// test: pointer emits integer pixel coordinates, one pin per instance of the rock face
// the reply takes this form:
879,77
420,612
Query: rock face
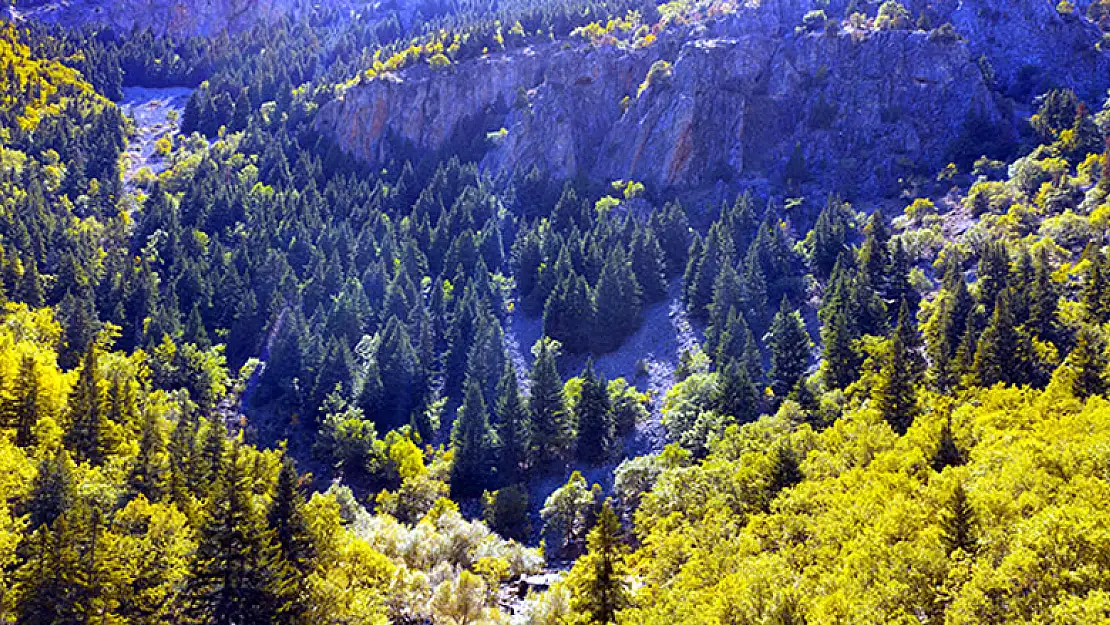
741,99
175,17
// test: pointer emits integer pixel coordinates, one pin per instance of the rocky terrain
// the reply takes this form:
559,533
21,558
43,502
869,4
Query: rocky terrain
174,17
849,110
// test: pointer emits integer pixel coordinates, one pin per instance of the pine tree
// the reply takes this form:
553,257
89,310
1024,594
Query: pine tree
594,416
598,587
88,431
26,398
617,302
473,441
514,427
150,473
570,314
829,237
789,351
648,265
1001,355
947,454
551,427
1089,362
736,395
994,272
231,582
727,297
718,251
900,375
785,470
958,524
295,550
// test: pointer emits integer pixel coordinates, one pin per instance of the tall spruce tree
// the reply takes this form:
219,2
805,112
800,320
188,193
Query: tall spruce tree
473,441
901,373
594,416
514,428
790,345
552,429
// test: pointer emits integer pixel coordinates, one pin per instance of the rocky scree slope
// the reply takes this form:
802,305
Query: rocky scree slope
741,98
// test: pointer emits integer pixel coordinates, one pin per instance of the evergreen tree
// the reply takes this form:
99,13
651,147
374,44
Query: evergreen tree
473,440
947,454
295,549
514,426
1001,355
648,265
785,470
617,302
551,427
150,472
736,395
231,582
789,351
25,412
89,429
901,372
594,416
598,587
570,316
1089,361
958,524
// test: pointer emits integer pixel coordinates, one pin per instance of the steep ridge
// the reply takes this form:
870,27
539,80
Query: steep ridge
741,98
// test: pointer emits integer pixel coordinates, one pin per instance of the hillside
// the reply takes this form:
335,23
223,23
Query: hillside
554,312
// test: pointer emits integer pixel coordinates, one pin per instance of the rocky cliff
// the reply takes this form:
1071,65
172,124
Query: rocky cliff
175,17
741,99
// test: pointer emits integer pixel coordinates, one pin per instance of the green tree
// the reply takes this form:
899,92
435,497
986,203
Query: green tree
594,416
736,395
473,440
232,577
599,590
900,374
958,523
789,350
514,428
552,429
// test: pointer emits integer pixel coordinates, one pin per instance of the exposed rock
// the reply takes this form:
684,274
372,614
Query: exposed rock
862,110
175,17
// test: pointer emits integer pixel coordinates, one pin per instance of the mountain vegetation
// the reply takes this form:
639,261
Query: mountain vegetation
264,380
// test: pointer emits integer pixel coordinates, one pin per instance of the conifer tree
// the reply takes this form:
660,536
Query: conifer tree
473,440
1089,362
648,265
552,430
789,351
1002,352
89,430
617,302
900,375
570,314
737,395
785,470
727,297
598,587
150,472
947,454
594,416
231,581
295,550
514,427
958,524
26,398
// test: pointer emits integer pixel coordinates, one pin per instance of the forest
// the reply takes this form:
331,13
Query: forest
258,380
